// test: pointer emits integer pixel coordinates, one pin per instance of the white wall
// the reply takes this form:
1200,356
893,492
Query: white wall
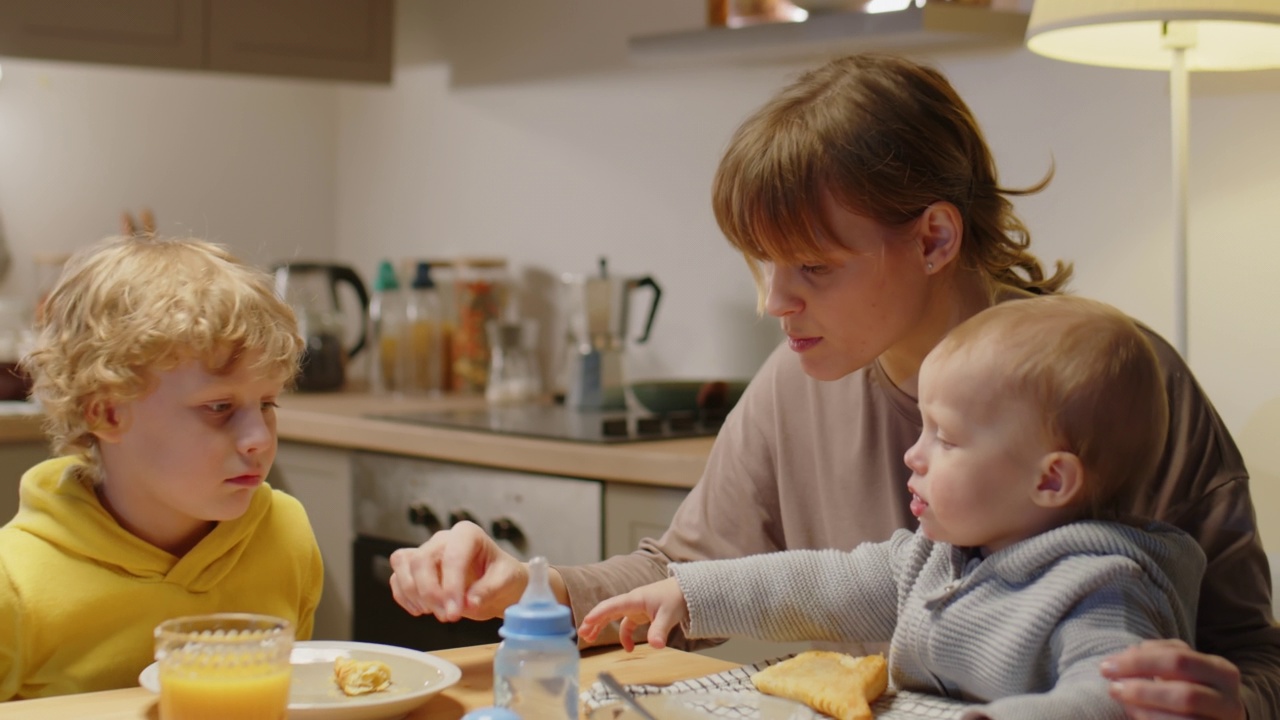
540,142
245,161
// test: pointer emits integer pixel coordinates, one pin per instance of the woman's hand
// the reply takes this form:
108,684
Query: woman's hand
458,573
660,604
1167,680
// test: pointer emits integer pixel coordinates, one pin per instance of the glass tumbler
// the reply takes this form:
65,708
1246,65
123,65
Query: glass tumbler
227,665
514,375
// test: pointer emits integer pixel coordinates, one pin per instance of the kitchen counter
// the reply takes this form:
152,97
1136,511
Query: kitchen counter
340,420
475,690
20,422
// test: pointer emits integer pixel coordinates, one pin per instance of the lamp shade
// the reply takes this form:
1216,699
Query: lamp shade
1217,34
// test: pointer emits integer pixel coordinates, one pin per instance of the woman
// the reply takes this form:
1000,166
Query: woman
866,203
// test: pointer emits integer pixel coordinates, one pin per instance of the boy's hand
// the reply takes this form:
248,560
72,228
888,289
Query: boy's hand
660,604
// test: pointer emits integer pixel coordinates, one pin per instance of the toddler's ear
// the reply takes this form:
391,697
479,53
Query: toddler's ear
106,420
1061,480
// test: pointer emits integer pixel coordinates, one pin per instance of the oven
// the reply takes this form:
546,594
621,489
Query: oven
399,502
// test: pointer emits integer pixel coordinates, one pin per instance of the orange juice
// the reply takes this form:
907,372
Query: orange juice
240,693
224,666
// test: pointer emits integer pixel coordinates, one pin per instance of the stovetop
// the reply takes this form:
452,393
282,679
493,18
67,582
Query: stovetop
561,423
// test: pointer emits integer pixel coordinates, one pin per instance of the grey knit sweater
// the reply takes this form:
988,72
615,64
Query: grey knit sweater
1022,630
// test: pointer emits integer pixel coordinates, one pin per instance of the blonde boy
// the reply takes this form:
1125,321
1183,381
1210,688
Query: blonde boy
158,365
1039,416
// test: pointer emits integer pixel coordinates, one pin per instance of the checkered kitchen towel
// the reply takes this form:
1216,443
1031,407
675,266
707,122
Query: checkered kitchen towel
900,705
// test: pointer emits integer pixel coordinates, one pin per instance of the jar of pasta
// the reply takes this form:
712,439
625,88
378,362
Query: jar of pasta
480,295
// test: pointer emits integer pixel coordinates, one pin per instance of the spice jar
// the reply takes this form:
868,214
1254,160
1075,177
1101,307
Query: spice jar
480,293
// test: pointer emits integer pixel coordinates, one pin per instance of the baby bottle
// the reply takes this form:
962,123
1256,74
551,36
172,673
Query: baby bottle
535,671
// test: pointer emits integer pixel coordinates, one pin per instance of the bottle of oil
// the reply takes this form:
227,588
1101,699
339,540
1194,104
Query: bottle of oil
425,359
535,670
386,332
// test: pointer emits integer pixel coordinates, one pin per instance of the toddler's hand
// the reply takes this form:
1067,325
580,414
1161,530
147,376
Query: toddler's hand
660,604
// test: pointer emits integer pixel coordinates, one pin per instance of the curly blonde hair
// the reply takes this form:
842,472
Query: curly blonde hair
887,137
128,307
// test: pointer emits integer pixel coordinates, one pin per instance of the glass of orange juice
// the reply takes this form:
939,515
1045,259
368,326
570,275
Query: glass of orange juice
226,665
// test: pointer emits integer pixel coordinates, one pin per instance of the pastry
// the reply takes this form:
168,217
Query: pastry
833,683
360,677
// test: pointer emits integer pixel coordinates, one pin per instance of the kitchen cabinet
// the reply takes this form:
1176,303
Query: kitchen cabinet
635,512
329,39
15,459
161,33
320,478
334,39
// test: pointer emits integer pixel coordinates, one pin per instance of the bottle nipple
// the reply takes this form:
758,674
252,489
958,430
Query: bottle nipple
538,590
538,613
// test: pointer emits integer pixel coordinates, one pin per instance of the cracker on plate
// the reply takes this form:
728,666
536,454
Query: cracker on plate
359,677
833,683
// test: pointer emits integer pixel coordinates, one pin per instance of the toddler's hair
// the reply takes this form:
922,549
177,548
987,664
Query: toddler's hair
1093,373
128,307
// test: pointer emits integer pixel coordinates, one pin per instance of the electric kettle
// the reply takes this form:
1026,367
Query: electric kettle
311,289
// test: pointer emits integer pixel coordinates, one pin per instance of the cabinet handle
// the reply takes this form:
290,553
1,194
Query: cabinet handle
506,529
458,516
382,569
421,514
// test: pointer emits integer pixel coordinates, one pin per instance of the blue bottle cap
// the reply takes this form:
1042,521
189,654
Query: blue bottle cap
422,277
537,614
491,713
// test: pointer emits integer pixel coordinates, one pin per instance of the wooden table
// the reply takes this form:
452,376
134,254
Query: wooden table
475,690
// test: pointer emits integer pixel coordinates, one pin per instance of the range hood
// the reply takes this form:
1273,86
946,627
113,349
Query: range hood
928,25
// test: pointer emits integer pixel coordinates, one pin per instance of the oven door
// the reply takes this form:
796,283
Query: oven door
380,619
400,502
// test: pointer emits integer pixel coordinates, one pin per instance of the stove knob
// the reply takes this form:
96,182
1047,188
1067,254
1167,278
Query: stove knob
682,422
505,529
457,516
649,426
420,514
614,427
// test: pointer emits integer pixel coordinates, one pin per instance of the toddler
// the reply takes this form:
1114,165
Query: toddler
1040,418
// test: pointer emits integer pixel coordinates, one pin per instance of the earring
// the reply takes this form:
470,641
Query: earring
928,266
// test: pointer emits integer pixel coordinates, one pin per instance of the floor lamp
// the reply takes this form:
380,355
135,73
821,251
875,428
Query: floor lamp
1174,35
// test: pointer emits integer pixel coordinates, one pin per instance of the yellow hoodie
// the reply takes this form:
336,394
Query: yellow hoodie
80,595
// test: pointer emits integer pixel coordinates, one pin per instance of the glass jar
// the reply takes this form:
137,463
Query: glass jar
514,374
480,293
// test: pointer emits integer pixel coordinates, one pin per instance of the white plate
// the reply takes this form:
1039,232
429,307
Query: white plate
415,676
